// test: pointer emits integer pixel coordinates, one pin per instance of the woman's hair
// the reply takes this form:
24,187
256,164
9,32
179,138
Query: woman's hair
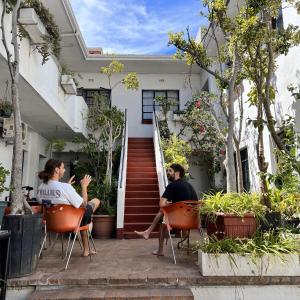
178,168
49,169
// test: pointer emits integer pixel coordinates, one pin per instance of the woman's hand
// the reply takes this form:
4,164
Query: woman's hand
71,180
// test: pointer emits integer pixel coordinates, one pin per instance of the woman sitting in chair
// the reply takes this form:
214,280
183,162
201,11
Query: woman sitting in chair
64,193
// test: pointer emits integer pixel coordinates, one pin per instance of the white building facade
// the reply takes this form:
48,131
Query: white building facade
49,112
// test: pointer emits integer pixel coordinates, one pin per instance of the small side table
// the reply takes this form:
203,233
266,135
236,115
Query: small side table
4,257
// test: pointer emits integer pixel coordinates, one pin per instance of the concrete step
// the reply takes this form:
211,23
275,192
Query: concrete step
140,146
142,175
133,201
141,181
114,293
145,209
142,194
141,169
140,163
145,158
141,139
139,218
142,187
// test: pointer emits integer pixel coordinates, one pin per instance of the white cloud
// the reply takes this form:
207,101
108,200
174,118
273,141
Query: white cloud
132,26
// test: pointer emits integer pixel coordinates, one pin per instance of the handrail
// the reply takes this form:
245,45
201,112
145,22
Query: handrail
123,151
159,156
122,176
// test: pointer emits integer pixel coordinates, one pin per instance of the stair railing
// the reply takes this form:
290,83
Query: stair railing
122,175
159,156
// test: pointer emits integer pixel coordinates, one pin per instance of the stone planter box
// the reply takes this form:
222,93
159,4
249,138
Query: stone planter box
68,84
31,22
238,265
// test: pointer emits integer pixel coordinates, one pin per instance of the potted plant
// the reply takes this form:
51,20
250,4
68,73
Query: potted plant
68,81
5,109
232,214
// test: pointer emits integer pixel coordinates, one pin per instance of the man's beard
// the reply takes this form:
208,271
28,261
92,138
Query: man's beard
170,177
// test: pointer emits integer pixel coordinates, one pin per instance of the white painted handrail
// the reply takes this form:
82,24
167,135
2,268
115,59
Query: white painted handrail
122,176
159,157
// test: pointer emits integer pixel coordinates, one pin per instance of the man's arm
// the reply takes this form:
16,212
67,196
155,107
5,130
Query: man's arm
163,202
85,181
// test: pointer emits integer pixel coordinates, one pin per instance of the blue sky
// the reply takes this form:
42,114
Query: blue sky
135,26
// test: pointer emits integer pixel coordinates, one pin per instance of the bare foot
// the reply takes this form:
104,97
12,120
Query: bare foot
158,253
145,234
85,254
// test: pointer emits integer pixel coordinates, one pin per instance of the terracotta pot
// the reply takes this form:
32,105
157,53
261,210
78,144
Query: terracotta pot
103,226
232,226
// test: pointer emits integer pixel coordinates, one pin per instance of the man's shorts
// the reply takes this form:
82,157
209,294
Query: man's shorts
87,217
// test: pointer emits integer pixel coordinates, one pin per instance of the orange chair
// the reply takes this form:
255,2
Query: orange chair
63,218
181,215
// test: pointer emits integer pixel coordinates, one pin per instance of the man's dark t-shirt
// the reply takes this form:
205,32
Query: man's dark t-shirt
179,190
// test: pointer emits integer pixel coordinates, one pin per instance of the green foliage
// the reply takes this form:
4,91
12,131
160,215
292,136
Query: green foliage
131,81
285,202
52,38
232,203
6,108
199,123
261,244
113,68
176,151
165,104
56,144
3,174
164,129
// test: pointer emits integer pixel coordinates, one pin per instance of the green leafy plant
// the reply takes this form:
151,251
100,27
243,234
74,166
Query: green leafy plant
56,144
3,174
285,202
5,108
232,203
52,38
177,151
261,244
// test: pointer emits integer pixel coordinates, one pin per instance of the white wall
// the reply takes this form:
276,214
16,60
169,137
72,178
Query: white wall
132,100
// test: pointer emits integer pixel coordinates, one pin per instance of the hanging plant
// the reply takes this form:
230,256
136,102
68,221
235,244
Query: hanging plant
5,109
51,43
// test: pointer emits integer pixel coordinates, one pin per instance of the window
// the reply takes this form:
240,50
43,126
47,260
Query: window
89,94
149,105
245,169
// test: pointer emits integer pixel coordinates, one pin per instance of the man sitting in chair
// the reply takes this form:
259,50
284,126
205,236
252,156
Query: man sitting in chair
64,193
177,190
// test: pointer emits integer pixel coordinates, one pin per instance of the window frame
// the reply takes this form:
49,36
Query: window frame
83,93
153,105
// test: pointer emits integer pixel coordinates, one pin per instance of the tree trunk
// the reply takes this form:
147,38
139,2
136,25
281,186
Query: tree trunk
13,60
239,169
230,166
262,164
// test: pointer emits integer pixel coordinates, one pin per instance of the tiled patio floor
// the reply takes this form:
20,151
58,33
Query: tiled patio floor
116,262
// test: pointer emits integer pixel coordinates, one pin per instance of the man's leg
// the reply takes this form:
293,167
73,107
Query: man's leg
94,203
162,234
145,234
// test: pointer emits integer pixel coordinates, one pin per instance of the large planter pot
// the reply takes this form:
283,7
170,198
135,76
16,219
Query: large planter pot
68,84
26,235
231,226
3,204
239,265
103,226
